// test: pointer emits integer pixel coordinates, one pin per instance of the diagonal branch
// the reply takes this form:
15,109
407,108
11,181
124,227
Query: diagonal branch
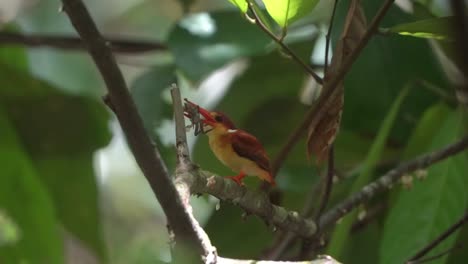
147,158
388,179
75,43
256,203
439,239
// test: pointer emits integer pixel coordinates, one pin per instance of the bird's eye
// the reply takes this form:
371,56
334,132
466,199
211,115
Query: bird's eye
218,118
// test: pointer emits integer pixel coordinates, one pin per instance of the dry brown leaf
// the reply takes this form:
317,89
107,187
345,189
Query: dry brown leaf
325,125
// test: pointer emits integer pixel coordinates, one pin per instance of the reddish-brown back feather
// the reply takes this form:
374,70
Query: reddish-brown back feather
247,146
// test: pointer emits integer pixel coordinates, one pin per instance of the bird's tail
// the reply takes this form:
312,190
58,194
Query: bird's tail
269,178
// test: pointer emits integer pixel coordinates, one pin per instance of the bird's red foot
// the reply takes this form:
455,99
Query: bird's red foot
238,178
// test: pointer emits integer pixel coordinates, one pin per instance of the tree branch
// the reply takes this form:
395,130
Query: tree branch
256,203
327,184
75,43
319,260
280,42
439,239
147,158
183,168
388,179
330,92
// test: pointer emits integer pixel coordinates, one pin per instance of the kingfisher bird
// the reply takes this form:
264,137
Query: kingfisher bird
235,148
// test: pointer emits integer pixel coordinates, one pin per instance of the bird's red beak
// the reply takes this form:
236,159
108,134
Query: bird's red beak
208,119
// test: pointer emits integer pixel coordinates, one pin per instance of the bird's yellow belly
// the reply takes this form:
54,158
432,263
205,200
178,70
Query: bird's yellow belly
224,152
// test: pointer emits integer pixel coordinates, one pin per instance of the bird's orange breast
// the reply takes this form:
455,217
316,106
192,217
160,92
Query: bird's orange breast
222,148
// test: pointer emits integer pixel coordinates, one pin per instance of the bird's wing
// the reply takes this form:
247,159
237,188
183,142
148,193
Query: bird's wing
247,146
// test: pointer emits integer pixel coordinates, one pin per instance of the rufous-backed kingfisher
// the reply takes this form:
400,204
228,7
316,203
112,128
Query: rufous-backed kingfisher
235,148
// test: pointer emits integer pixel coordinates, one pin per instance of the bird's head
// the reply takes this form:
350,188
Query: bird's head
218,122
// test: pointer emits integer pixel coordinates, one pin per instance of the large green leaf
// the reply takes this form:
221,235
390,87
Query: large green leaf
25,200
363,245
147,93
434,28
425,130
70,71
431,206
60,133
284,12
204,42
9,231
386,65
341,233
241,4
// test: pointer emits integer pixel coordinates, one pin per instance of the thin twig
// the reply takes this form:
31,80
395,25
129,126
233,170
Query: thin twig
330,92
280,42
281,245
184,166
75,43
387,180
327,184
421,253
253,202
441,254
257,203
328,37
286,240
143,150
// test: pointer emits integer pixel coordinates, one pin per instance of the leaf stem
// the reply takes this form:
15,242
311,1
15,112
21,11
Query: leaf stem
279,41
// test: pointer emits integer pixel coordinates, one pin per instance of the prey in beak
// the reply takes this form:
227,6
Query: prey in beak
201,119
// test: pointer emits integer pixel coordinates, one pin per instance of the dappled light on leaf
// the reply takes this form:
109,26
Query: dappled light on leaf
241,4
433,28
284,12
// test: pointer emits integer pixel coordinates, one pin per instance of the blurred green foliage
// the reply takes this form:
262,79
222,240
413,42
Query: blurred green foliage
52,122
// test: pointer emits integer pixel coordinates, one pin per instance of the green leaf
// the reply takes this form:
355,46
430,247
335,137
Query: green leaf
50,121
284,12
422,213
60,133
241,4
201,43
361,241
435,28
25,200
341,233
425,130
237,245
71,182
14,55
147,93
9,230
